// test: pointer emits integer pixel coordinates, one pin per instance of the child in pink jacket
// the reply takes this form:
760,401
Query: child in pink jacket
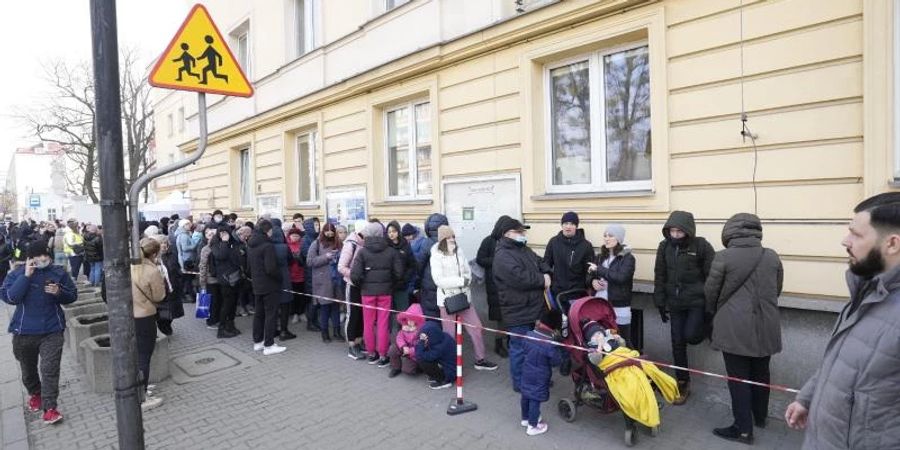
403,350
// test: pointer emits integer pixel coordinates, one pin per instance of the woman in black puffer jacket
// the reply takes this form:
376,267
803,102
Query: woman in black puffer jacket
376,270
612,277
227,267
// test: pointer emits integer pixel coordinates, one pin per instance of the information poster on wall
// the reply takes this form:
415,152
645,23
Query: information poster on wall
269,204
346,205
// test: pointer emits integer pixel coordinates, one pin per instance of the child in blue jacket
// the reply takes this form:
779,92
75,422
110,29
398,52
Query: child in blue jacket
540,358
436,355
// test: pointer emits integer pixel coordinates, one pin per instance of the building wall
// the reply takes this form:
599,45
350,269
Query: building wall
803,92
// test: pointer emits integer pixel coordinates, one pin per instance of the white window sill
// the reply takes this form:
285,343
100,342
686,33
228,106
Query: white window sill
305,206
550,196
405,201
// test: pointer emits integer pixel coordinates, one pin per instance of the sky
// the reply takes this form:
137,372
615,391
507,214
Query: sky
34,32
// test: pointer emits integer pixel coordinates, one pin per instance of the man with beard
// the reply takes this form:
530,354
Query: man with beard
853,400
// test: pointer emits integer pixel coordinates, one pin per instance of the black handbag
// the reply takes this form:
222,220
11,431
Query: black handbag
457,303
232,279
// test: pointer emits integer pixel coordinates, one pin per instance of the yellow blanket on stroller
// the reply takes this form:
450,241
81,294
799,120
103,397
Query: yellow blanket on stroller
630,385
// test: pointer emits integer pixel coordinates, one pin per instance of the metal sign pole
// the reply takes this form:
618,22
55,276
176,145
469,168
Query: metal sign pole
108,125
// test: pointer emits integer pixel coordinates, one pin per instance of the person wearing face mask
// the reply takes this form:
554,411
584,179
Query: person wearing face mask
208,280
521,278
683,261
311,229
267,278
452,275
400,296
226,254
218,218
612,277
37,289
148,289
326,282
568,254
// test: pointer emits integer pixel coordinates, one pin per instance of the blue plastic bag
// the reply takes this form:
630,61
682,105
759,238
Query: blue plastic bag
203,300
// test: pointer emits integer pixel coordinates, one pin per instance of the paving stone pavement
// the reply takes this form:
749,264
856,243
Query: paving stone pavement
313,396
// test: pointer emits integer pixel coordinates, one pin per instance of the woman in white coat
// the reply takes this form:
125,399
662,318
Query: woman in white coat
451,274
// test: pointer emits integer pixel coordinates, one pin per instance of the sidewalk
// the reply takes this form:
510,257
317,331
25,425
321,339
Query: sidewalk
313,396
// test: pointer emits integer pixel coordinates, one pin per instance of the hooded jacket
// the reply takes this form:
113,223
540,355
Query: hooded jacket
619,277
186,247
519,274
409,339
407,259
377,268
422,246
93,247
485,259
853,399
681,270
349,251
227,258
440,349
309,236
37,312
264,267
537,368
283,258
569,258
148,288
746,321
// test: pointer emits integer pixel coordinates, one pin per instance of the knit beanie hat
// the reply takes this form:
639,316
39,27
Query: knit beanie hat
372,230
617,231
408,230
569,217
444,232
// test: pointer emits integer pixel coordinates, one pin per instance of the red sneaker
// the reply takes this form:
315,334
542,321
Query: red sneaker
52,416
34,402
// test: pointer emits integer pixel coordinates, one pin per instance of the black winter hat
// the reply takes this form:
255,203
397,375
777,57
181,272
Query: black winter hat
569,217
505,224
408,230
37,248
552,318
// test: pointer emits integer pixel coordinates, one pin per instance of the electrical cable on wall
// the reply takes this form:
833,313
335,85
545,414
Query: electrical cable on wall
745,129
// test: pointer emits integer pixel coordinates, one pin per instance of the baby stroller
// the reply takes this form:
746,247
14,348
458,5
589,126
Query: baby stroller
590,385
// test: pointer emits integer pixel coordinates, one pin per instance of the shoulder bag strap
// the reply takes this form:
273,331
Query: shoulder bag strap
723,298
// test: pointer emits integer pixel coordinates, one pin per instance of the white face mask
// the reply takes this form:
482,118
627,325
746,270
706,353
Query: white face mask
41,264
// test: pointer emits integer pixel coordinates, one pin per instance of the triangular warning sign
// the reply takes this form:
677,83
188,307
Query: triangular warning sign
198,59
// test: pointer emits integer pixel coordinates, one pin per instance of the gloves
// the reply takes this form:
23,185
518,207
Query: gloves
663,314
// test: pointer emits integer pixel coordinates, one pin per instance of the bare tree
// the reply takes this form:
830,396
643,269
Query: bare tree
67,117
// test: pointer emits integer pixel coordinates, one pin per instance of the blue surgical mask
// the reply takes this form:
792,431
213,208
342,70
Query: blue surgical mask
521,239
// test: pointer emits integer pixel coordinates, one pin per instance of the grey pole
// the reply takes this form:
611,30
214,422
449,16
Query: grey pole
129,421
143,180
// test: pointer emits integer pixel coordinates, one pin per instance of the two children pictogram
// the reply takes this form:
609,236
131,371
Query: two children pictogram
213,62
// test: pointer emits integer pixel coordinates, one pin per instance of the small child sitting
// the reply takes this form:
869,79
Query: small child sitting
540,358
436,356
403,350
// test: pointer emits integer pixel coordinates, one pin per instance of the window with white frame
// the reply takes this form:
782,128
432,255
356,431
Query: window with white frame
391,4
304,26
408,148
305,161
181,119
598,122
246,188
171,125
51,213
241,38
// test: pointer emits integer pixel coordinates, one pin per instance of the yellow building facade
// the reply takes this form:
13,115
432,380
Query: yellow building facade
620,110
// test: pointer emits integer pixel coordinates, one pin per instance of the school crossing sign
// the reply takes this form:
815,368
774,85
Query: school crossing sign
198,59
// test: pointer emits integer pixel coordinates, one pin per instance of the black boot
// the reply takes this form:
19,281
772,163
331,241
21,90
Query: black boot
500,349
233,328
338,333
225,333
325,337
286,335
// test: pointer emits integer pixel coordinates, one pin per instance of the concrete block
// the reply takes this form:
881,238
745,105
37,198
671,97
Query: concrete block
82,327
88,292
83,309
98,362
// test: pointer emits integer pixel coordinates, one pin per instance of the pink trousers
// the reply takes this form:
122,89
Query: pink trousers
377,339
469,316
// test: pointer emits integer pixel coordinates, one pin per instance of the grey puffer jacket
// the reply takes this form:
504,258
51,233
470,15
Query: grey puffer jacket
854,398
319,259
747,321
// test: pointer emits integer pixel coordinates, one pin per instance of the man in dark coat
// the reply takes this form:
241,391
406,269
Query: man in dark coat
521,277
683,260
267,277
485,259
742,292
568,254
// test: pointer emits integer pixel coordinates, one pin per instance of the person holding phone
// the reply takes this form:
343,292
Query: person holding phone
37,289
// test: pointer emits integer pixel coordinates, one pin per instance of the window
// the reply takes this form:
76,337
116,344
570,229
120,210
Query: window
246,190
241,44
306,168
304,22
51,214
408,132
598,122
181,119
391,4
171,125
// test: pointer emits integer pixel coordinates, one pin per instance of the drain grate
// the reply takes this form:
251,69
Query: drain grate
207,362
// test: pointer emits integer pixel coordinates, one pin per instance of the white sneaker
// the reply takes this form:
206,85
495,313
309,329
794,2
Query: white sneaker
273,350
150,403
295,319
525,422
258,347
541,428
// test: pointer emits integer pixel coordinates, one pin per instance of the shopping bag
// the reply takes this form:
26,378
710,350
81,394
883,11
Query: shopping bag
203,301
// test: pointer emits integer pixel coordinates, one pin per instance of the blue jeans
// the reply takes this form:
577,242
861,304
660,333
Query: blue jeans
332,311
76,262
531,411
517,353
96,273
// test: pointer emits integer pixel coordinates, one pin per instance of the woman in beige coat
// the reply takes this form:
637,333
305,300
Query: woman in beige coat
148,288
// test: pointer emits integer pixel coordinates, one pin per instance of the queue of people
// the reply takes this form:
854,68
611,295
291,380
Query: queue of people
278,273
